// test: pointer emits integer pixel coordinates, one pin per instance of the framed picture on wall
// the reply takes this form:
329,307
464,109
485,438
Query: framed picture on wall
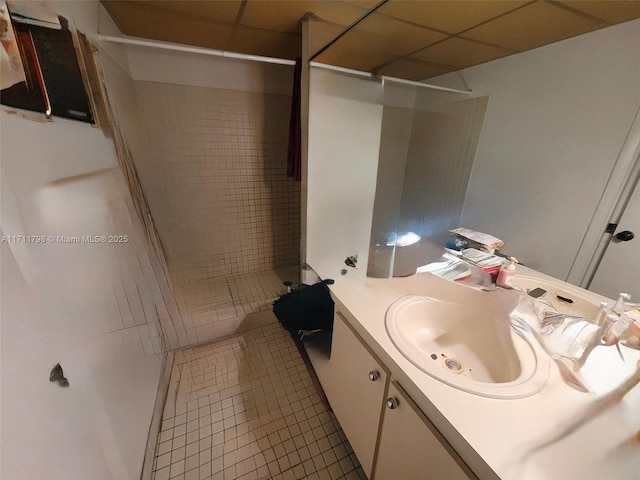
49,78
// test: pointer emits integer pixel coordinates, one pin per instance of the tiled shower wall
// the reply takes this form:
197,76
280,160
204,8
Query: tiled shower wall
228,217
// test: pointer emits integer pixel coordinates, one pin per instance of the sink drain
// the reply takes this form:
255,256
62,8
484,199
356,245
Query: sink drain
453,365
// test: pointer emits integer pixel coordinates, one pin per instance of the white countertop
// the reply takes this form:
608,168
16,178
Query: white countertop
553,434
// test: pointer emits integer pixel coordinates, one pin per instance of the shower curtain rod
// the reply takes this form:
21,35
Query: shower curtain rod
257,58
384,78
188,49
349,71
425,85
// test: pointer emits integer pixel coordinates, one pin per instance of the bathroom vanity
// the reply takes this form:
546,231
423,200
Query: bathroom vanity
405,424
380,419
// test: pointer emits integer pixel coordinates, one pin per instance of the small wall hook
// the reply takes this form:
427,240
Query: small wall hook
57,375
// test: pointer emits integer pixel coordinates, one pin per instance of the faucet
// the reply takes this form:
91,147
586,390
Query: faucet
623,299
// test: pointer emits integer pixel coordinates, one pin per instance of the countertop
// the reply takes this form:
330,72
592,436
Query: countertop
557,433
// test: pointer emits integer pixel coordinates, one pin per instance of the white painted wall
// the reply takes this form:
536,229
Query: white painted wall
58,303
556,121
345,122
198,70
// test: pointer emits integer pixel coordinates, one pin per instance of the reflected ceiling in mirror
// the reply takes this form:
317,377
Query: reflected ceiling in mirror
417,40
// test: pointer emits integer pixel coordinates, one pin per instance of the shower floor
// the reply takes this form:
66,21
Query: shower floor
249,408
215,307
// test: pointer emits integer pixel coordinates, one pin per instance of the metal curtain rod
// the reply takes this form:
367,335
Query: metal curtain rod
384,78
257,58
186,48
425,85
335,68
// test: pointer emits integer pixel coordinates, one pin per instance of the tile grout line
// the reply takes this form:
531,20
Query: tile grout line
264,391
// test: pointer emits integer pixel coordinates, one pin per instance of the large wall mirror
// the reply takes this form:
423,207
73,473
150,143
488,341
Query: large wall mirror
427,148
417,40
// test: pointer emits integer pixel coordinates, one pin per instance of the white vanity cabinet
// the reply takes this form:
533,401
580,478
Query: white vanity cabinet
355,384
411,448
390,436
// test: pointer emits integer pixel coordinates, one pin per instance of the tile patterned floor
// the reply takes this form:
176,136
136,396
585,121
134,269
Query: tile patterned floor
249,408
214,307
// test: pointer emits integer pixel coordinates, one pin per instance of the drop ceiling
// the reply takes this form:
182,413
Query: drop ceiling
409,39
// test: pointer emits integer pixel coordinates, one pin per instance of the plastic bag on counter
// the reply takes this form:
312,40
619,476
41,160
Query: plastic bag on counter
560,334
305,310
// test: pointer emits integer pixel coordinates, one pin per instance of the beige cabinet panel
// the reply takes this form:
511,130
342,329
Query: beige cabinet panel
410,446
355,384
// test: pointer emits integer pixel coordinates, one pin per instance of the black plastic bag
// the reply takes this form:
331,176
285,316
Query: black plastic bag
307,309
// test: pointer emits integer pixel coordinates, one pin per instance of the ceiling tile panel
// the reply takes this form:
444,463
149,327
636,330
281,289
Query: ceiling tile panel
268,43
321,34
377,40
532,26
412,69
285,16
354,55
448,16
385,34
366,4
141,20
611,11
224,11
460,53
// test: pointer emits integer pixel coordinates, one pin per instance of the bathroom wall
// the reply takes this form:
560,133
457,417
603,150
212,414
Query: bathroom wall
214,172
345,122
199,70
223,203
93,307
556,121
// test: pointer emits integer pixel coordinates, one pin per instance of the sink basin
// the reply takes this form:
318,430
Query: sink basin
563,297
469,346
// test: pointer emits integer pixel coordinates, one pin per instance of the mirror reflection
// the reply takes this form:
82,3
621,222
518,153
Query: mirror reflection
420,40
427,147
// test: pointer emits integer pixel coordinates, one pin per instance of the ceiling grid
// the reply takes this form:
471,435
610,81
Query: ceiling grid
410,39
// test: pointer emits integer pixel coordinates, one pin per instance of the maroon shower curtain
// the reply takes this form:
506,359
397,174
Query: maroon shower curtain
294,152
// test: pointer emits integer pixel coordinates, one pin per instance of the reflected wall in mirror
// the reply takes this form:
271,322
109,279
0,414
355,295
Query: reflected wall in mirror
427,148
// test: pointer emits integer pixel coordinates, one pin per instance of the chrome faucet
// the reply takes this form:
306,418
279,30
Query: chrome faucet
623,299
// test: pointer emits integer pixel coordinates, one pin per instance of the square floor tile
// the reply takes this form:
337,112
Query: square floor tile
248,407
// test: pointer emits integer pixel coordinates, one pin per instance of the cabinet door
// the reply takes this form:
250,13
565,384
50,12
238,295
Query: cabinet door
410,446
355,386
